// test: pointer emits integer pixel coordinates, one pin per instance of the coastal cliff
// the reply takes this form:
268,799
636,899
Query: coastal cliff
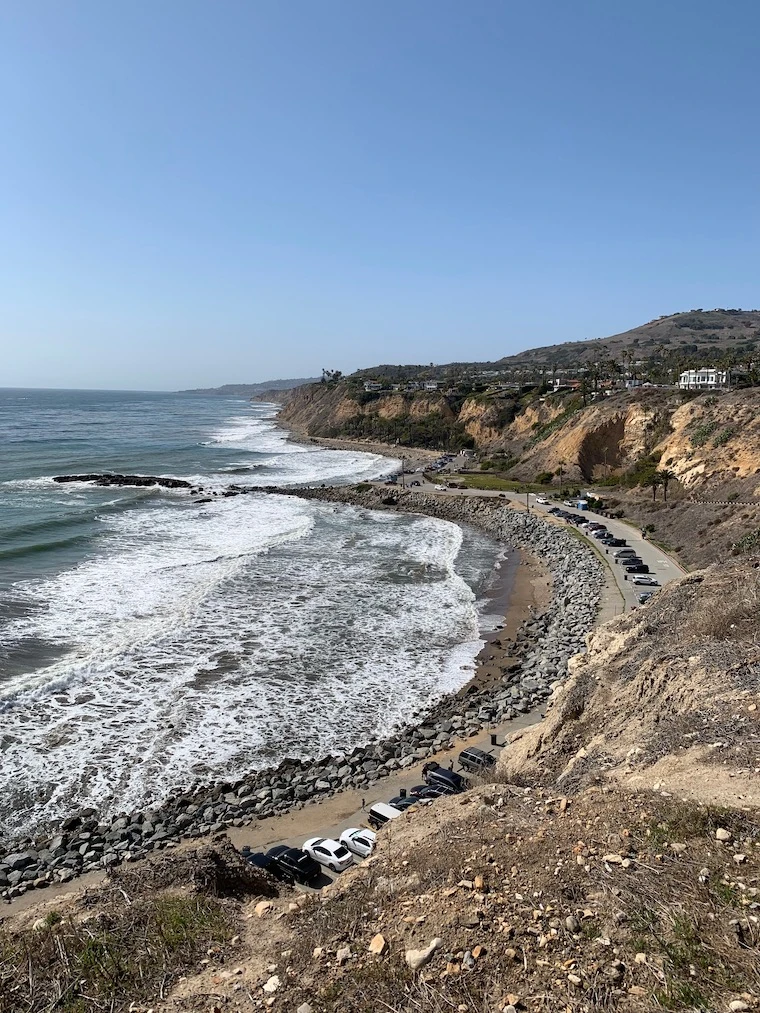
706,440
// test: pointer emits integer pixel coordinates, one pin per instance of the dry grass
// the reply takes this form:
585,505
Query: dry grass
129,952
526,846
130,940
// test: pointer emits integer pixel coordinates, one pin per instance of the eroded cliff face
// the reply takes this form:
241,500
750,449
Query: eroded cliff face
707,442
322,409
597,440
667,696
710,440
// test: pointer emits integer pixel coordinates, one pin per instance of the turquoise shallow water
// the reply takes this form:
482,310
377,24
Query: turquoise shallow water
146,640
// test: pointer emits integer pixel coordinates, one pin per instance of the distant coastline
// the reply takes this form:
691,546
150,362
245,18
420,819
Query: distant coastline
251,389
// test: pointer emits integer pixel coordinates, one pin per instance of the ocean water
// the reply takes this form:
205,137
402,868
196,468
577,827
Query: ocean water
147,641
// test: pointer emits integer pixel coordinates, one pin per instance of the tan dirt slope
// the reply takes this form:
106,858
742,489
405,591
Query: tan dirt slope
667,697
707,442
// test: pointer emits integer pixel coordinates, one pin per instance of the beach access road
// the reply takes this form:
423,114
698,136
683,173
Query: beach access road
662,566
328,818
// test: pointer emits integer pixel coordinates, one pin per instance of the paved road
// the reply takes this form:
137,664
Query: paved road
332,816
661,565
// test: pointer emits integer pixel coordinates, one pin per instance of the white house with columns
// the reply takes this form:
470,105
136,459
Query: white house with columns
708,378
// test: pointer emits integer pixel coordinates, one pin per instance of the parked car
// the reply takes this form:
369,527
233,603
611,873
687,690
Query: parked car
426,791
259,859
415,482
646,581
332,854
404,802
645,596
476,760
294,866
379,814
616,542
554,510
359,842
620,554
637,568
542,500
435,775
569,502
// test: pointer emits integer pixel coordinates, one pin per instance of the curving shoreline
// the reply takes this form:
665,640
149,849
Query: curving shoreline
541,649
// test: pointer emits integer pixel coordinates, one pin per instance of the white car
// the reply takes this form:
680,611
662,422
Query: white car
646,581
329,853
360,842
542,500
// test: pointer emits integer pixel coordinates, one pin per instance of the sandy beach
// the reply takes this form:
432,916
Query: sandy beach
413,457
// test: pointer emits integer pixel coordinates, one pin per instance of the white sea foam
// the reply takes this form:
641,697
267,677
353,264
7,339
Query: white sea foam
198,640
230,640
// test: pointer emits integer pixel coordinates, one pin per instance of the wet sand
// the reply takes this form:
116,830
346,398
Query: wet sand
412,457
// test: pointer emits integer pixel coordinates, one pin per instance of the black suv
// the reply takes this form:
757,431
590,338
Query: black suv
403,802
476,760
438,777
292,865
637,568
425,791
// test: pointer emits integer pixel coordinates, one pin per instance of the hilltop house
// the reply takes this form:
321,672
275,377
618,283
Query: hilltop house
372,385
708,378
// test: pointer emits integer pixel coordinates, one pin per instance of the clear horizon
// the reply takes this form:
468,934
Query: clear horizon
195,197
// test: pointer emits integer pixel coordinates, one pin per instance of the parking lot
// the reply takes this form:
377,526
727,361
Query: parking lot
332,816
662,567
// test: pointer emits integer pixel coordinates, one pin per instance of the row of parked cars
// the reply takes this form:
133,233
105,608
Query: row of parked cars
305,864
636,570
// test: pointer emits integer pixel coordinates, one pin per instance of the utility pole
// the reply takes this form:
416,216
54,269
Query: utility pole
527,501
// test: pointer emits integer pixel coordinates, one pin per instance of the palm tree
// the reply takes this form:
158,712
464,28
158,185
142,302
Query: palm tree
655,482
666,476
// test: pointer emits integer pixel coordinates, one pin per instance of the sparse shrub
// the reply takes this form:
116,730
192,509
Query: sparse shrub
702,433
748,543
724,436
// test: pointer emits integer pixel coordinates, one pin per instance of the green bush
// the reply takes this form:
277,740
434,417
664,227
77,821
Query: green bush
432,430
724,436
749,543
702,433
544,478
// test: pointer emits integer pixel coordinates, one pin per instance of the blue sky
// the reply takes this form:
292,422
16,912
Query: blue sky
194,193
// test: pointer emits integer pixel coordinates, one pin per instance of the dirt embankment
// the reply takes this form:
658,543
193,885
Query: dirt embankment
667,697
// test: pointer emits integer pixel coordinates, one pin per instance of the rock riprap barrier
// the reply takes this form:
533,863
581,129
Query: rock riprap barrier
140,481
542,646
